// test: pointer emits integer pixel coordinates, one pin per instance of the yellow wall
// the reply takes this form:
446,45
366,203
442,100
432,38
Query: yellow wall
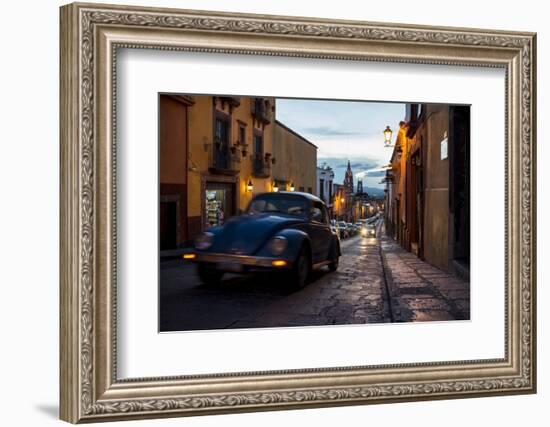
260,185
172,153
296,159
201,132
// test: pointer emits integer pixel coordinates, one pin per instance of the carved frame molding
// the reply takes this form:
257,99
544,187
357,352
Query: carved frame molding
90,37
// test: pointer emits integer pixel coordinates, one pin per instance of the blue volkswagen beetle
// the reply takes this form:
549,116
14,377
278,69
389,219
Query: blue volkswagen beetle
284,231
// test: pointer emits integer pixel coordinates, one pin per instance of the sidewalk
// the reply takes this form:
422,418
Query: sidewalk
419,291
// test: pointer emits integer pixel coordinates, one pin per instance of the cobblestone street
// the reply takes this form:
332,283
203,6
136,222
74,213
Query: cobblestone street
421,292
377,281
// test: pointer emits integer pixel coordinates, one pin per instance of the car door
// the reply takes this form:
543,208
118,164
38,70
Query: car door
320,234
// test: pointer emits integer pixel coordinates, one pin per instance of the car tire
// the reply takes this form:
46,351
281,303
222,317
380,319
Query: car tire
209,276
335,257
301,269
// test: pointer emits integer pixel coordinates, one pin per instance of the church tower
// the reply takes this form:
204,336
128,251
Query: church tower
348,179
359,186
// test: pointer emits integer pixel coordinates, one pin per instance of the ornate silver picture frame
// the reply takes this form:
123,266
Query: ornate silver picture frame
91,35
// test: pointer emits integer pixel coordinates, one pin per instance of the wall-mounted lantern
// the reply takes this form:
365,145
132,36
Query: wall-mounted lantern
275,187
387,136
292,188
249,186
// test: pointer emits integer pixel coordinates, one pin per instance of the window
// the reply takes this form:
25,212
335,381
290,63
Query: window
242,135
221,141
287,204
258,153
325,215
259,144
222,130
322,189
319,213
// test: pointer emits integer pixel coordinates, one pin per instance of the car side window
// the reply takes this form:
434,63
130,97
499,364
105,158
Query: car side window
319,213
325,215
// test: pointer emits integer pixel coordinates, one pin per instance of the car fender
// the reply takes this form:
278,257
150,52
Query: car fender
295,239
336,241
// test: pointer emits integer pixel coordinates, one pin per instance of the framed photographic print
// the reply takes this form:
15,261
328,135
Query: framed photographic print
266,212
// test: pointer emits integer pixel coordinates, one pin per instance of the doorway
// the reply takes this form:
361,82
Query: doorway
219,203
168,225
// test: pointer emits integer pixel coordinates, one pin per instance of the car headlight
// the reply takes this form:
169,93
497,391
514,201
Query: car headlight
278,245
204,241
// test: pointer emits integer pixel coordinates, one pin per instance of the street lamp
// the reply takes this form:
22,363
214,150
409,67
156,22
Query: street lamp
249,186
292,188
387,136
275,187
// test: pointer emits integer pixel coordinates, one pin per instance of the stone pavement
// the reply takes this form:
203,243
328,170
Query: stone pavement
377,282
354,294
420,292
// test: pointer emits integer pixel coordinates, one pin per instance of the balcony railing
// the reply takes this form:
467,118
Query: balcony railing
224,159
261,166
260,111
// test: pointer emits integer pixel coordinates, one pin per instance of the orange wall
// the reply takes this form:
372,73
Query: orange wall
173,153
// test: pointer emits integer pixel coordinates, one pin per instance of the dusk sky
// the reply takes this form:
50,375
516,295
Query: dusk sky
345,130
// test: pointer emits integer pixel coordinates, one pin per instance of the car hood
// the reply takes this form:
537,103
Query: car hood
246,234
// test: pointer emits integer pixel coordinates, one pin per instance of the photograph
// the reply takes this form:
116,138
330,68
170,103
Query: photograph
264,210
283,212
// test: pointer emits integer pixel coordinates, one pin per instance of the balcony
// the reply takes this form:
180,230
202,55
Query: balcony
223,159
261,166
232,101
261,110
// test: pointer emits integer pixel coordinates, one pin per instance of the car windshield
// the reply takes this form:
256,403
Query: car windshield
278,203
342,224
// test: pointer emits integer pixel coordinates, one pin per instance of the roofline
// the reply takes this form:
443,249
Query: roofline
295,133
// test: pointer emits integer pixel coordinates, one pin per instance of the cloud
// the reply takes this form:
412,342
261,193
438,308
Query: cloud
329,131
362,167
373,173
376,172
356,165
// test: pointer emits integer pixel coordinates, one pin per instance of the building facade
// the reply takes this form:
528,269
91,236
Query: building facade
428,186
295,161
215,153
324,189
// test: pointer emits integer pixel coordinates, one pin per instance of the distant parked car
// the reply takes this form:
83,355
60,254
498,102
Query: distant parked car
343,230
334,227
351,228
285,231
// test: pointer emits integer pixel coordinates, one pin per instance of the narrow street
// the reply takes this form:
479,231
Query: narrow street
377,281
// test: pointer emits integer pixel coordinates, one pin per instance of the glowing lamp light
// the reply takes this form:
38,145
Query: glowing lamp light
275,187
278,263
249,186
387,136
292,188
189,256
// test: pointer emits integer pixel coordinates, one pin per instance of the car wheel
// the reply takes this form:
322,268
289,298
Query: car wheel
301,269
209,276
335,258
